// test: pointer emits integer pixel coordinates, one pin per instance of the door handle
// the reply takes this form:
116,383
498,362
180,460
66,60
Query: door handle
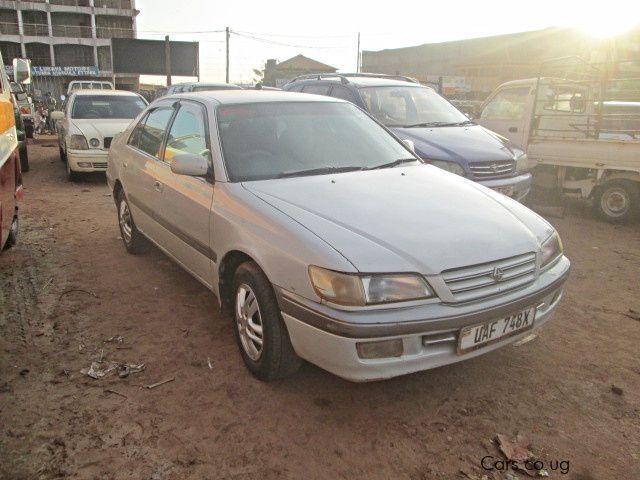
513,129
158,186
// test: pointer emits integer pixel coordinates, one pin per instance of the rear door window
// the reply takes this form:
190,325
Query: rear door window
338,91
316,89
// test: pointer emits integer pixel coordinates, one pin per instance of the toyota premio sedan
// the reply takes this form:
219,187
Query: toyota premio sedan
327,238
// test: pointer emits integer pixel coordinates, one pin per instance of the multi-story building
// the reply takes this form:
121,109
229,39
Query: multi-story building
66,39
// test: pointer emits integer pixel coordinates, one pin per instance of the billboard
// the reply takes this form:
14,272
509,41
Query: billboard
147,57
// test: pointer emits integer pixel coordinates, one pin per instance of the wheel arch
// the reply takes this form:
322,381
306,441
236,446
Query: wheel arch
226,269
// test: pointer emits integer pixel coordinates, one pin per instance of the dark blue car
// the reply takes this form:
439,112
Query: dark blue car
440,133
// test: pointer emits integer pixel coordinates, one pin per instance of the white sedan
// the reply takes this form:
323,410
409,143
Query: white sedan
89,121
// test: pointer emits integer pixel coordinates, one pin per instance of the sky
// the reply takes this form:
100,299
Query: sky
327,31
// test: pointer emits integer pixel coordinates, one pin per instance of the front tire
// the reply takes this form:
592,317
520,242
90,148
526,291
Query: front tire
133,240
617,201
261,334
71,175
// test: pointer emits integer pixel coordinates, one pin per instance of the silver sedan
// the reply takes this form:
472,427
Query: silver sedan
327,239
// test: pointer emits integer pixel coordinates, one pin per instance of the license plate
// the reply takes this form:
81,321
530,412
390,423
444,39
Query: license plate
508,191
477,336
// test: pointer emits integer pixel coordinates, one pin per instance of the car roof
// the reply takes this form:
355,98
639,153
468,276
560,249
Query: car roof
233,97
358,82
96,91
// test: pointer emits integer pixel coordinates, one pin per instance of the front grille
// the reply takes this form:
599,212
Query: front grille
99,164
107,142
479,281
499,168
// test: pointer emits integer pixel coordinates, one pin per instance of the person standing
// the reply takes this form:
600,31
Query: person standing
50,103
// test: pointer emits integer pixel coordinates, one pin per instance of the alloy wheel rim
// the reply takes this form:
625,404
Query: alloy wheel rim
125,221
249,322
615,202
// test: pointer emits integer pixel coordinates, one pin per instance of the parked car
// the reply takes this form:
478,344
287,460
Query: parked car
196,87
442,135
588,149
25,108
22,140
11,191
327,238
89,85
87,125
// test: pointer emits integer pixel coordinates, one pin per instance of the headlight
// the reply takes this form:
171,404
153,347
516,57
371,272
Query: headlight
360,290
551,250
522,163
78,142
449,167
94,142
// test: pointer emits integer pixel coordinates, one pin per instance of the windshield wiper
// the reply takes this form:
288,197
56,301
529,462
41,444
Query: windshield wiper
439,124
318,171
393,164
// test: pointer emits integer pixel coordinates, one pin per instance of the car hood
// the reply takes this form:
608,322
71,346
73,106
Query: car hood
101,128
416,218
459,144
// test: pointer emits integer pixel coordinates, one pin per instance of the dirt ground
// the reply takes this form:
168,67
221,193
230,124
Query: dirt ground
69,287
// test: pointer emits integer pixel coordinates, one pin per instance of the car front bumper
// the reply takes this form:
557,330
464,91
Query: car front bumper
87,160
514,187
327,337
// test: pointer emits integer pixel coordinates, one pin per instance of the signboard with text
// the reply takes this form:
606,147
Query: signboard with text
90,71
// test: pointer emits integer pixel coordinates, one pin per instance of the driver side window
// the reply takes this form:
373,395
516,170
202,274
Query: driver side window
188,133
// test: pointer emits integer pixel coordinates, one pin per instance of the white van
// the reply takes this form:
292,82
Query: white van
89,85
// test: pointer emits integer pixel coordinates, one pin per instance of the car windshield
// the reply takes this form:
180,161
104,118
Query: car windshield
283,139
107,106
410,106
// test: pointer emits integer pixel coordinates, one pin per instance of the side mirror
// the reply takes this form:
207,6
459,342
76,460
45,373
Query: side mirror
410,144
57,115
21,70
190,164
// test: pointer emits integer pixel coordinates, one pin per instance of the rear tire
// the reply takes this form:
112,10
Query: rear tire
12,239
133,240
261,333
24,159
617,201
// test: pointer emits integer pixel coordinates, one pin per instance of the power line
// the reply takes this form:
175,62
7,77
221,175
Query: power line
284,44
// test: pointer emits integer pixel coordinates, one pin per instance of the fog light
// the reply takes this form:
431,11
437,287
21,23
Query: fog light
84,164
383,349
94,142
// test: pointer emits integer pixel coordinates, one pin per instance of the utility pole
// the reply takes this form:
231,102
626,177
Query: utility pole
358,61
227,36
167,59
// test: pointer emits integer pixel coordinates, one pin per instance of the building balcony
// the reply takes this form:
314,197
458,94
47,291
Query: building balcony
9,29
114,32
116,4
35,29
71,3
72,31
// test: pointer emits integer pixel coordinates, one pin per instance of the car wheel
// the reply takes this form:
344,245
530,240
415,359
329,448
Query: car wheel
12,238
28,131
24,158
259,329
133,240
71,175
617,201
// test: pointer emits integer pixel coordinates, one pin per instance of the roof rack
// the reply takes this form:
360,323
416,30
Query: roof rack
344,77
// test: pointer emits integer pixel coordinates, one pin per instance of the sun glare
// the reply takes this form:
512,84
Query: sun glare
607,27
